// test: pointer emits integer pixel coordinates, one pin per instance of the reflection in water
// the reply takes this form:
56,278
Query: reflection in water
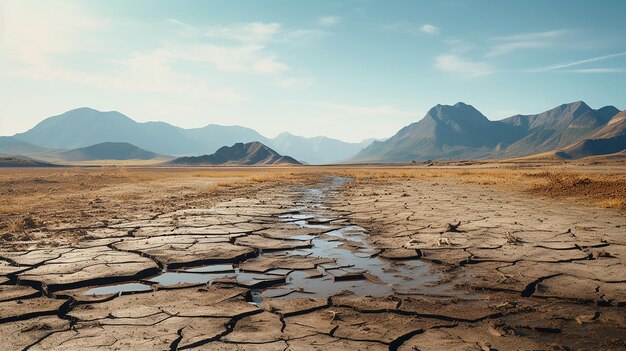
355,268
118,288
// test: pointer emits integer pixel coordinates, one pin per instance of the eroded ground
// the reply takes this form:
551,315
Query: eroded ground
314,261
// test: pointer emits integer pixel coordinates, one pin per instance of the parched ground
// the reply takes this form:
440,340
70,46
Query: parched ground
310,259
559,267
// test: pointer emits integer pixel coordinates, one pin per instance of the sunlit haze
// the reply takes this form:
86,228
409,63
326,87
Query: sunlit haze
344,69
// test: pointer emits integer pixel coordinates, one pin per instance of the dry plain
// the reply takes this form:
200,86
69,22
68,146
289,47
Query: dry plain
456,256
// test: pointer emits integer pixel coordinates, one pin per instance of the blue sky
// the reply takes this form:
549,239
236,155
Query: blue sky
345,69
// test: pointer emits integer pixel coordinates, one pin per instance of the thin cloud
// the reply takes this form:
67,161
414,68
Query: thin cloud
412,28
537,40
457,65
429,29
597,70
140,72
252,32
33,37
328,21
295,83
242,59
560,66
240,47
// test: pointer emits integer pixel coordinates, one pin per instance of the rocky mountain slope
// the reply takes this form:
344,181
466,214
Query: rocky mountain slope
254,153
109,151
462,132
85,127
609,139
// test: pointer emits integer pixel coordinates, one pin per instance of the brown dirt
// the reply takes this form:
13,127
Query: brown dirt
510,258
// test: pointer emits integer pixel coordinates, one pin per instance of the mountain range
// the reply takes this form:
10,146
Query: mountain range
84,127
7,161
317,150
462,132
12,147
459,131
254,153
109,151
610,139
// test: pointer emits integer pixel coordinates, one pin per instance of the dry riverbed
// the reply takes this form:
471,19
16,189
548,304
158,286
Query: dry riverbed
304,259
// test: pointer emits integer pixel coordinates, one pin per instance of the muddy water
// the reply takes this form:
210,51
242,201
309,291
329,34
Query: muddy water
355,265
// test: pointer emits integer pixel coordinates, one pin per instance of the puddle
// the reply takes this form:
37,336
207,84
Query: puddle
356,266
216,268
291,217
174,278
352,233
354,270
302,237
119,288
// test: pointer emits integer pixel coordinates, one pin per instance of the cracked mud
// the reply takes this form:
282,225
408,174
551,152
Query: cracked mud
334,264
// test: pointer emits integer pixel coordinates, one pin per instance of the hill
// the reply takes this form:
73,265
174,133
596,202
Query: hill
462,132
13,147
253,153
84,127
446,132
556,128
7,161
610,139
316,150
109,151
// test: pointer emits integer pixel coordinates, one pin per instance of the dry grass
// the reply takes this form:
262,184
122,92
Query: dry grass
77,195
593,187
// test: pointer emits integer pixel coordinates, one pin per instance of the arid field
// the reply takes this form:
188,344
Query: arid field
525,255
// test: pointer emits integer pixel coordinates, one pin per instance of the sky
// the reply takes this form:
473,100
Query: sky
351,69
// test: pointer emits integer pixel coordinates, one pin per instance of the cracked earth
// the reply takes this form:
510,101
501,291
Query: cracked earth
330,264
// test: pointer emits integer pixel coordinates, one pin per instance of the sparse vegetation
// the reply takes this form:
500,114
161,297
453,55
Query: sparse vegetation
66,192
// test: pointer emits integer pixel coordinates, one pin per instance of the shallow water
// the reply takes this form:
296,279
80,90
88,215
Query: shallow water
386,277
117,288
355,265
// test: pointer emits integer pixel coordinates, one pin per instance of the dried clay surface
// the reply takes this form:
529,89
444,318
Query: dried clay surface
331,263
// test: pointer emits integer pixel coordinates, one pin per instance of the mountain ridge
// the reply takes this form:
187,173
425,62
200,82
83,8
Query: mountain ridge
317,149
458,131
461,132
83,127
608,140
252,153
109,151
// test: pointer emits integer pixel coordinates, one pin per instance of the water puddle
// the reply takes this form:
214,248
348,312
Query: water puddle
353,269
216,268
118,288
175,278
355,265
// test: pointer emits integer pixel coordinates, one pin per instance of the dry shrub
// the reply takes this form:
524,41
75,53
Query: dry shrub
20,224
619,204
566,180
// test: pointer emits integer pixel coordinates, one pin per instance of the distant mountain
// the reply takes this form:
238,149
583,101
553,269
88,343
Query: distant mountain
6,161
462,132
254,153
608,140
446,132
454,132
556,128
13,147
85,127
367,142
109,151
316,150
